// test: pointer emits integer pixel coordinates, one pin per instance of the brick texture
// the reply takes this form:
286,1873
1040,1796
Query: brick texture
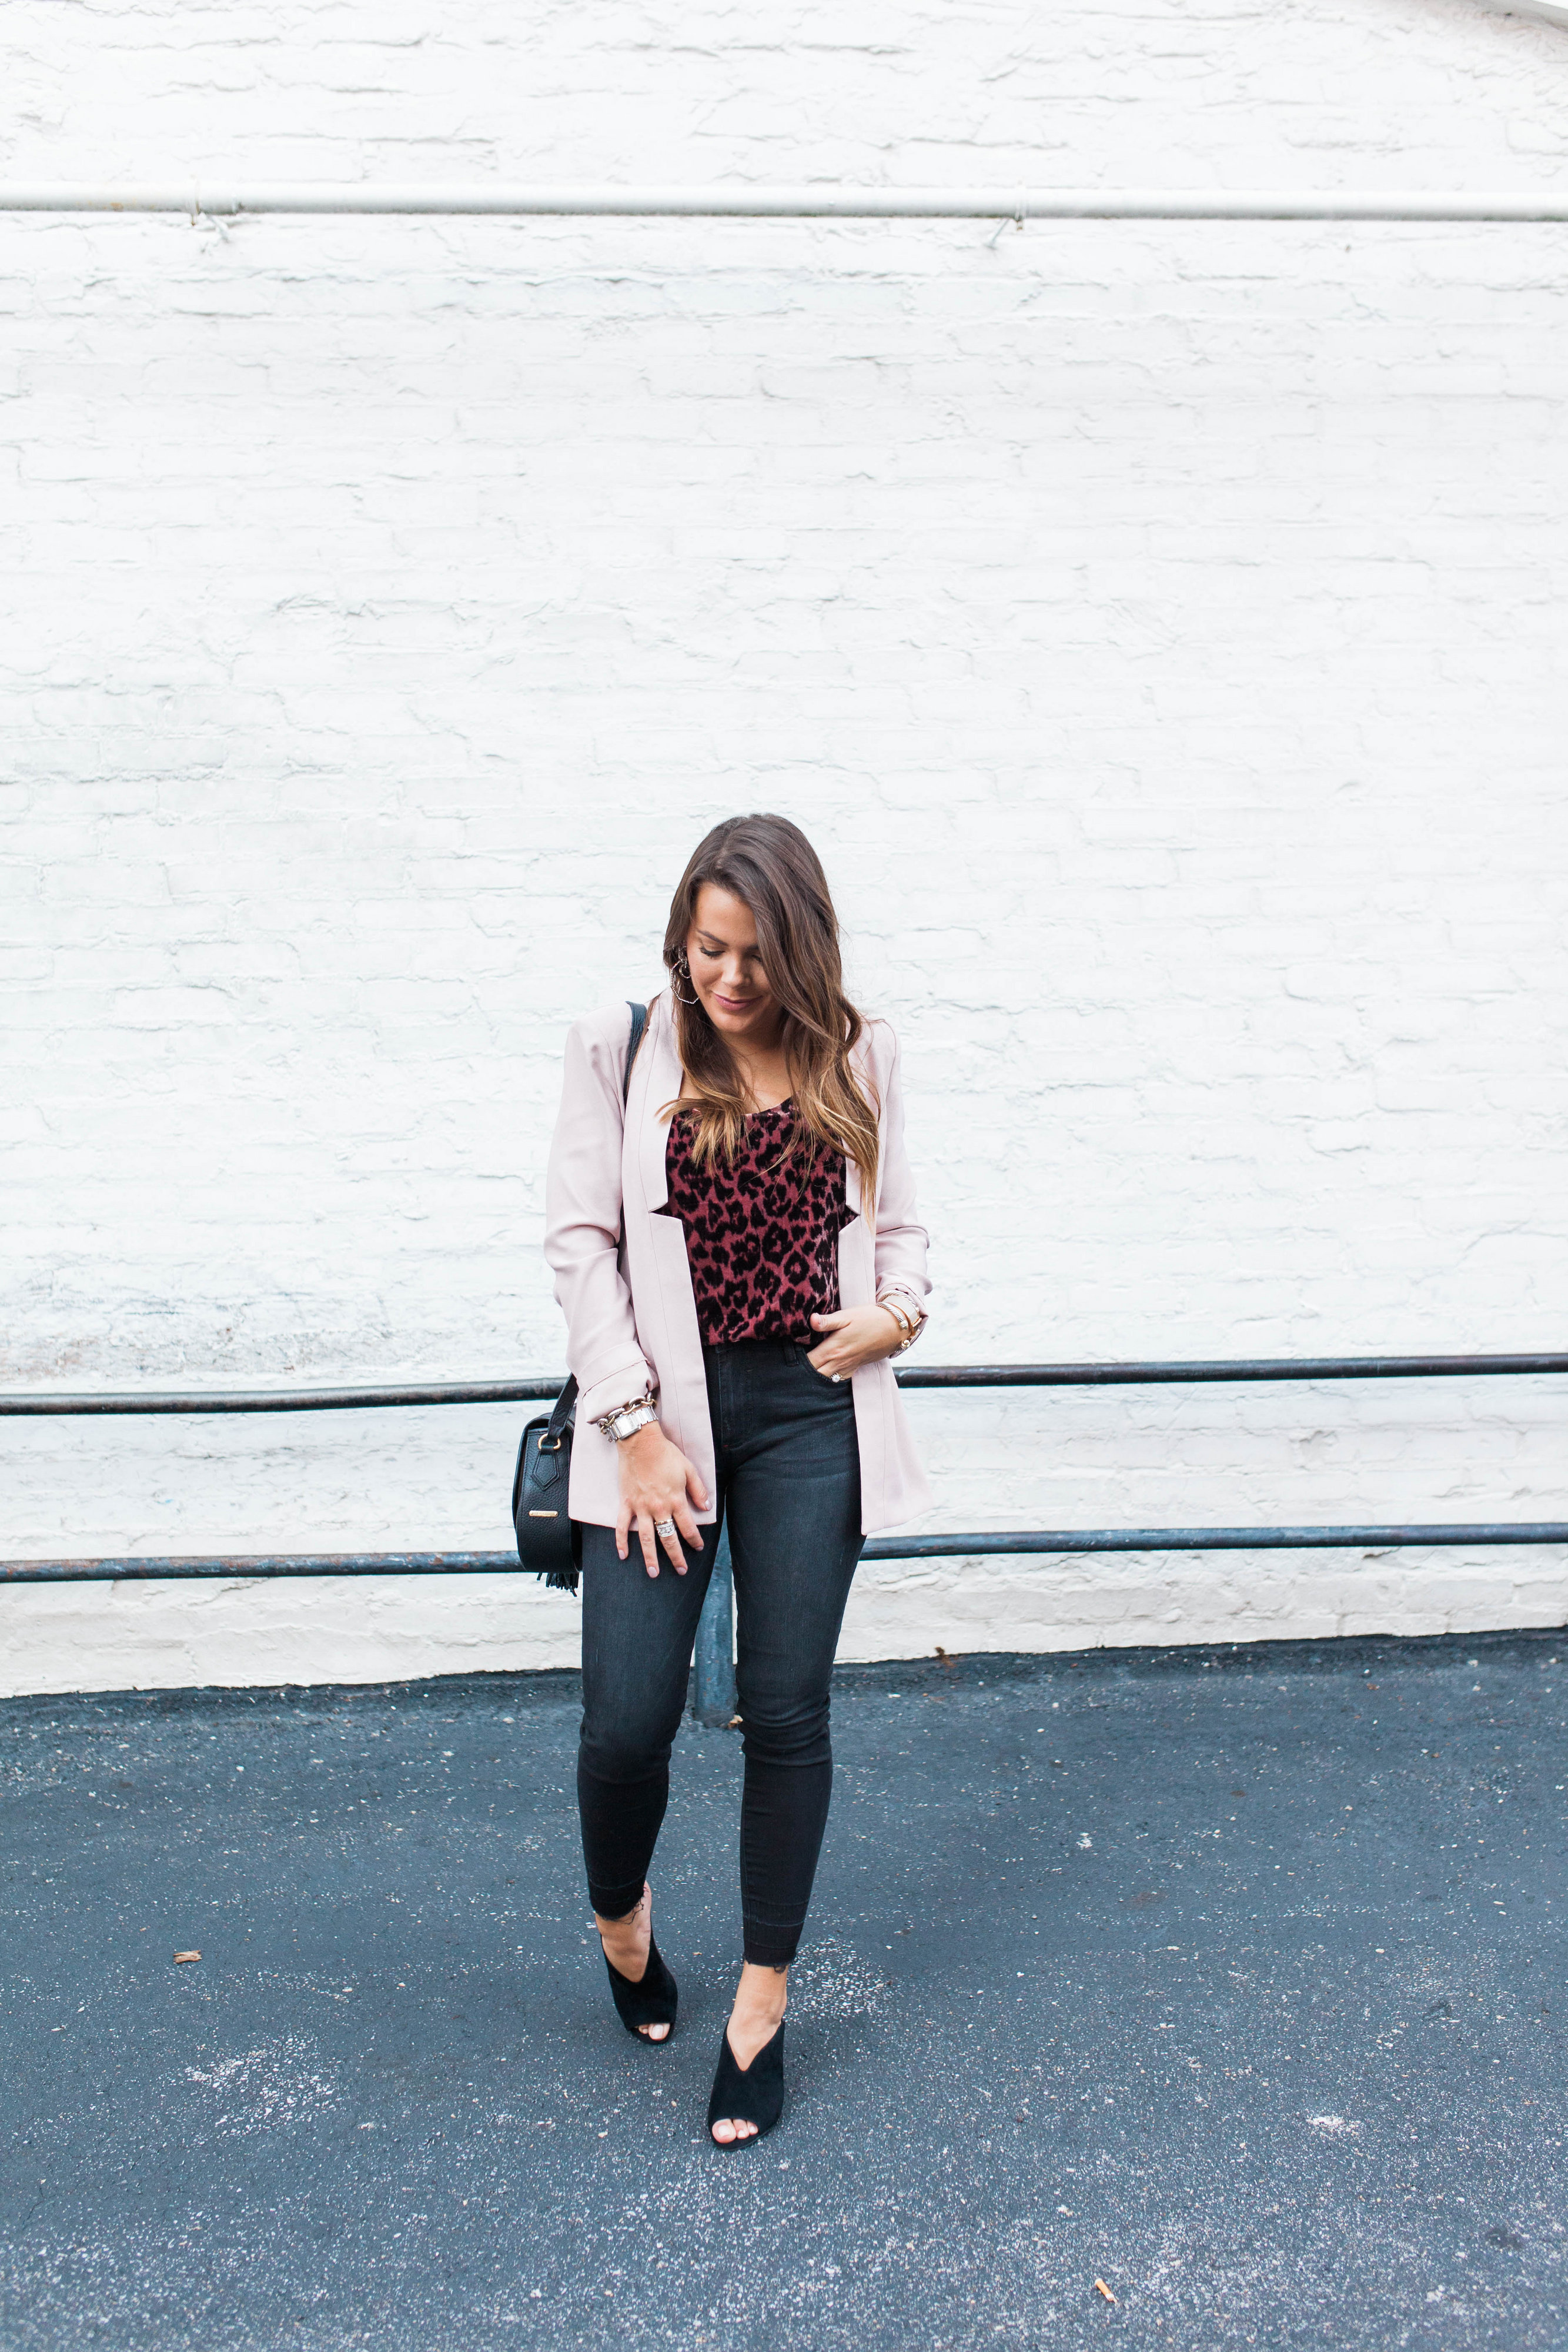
1158,627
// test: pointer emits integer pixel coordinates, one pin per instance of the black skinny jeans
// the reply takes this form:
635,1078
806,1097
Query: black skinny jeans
790,1489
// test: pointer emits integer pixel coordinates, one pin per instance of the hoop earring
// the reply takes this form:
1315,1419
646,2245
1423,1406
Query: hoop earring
681,970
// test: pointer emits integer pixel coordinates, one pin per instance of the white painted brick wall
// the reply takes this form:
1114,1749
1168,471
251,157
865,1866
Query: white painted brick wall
1158,628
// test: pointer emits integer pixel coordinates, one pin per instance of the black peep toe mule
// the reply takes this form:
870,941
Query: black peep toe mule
751,2094
651,2001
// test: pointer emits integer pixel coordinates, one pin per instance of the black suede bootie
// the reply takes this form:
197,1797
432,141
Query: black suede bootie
653,1999
752,2095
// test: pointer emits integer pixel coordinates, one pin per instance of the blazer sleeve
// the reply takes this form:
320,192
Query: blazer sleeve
900,1239
582,1220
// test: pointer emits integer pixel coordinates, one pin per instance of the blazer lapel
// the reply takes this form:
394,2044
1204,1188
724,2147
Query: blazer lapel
656,1081
853,1199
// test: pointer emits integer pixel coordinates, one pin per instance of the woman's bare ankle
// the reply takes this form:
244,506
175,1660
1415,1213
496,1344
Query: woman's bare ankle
761,1999
632,1933
763,1985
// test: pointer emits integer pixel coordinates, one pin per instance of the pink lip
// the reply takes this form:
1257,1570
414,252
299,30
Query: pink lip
734,1003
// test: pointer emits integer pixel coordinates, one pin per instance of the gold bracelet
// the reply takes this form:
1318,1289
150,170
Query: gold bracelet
910,1320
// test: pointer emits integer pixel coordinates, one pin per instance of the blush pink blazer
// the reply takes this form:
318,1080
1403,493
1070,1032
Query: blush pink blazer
631,1317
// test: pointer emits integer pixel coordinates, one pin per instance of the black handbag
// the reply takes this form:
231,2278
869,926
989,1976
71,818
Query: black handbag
549,1542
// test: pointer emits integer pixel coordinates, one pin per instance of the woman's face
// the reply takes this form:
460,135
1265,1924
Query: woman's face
727,969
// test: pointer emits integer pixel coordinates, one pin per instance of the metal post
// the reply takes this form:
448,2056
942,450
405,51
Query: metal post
715,1701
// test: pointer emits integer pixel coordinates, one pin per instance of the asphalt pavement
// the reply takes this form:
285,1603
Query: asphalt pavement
1190,1998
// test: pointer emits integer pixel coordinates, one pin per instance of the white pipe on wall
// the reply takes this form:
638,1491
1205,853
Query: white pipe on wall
806,202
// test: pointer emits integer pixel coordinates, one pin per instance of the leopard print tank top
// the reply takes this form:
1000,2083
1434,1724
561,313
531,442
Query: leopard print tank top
762,1232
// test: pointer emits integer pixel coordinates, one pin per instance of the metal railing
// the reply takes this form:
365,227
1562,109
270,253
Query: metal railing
715,1672
546,1388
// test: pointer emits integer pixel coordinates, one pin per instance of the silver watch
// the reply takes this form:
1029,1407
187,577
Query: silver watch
627,1419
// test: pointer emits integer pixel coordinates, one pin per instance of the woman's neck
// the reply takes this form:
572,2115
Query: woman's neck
764,1076
763,1072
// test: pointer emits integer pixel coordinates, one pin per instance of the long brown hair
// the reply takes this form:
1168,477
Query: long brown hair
768,863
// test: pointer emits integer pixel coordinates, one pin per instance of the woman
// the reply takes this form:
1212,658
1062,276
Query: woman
737,1257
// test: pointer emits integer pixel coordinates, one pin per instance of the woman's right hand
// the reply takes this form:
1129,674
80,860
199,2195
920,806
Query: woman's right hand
657,1481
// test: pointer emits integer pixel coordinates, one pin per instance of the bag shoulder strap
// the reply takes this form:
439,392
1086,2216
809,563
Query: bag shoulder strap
639,1023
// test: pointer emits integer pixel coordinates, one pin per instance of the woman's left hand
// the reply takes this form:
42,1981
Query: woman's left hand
856,1336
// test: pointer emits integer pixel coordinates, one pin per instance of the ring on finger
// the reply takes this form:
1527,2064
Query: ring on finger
664,1529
